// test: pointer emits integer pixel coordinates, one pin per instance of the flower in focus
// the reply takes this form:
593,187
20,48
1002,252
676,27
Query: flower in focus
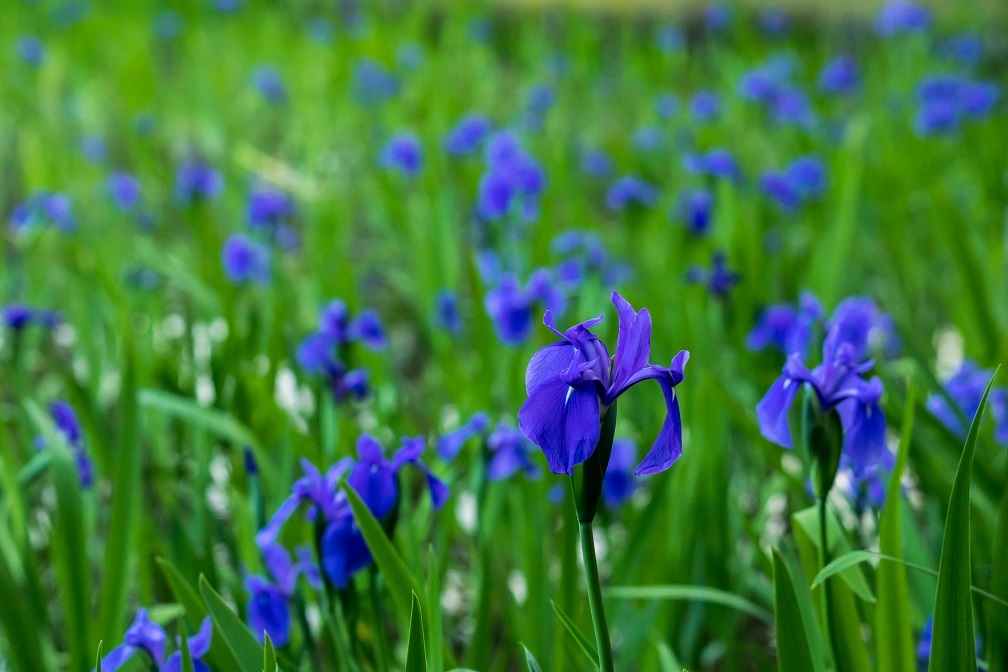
467,135
838,384
403,154
902,16
245,260
197,182
631,190
966,388
719,279
572,383
785,327
269,84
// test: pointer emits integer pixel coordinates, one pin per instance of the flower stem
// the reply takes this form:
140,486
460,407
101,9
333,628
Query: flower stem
825,560
595,597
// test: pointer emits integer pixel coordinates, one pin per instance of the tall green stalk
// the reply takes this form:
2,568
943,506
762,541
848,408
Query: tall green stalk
594,587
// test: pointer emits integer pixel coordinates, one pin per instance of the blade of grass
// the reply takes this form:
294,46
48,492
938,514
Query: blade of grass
799,642
690,593
239,638
416,656
583,643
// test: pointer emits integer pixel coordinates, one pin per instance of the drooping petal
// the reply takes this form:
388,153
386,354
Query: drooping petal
267,535
668,446
563,422
117,657
864,437
412,449
199,643
549,364
772,411
633,344
147,635
344,551
267,611
450,444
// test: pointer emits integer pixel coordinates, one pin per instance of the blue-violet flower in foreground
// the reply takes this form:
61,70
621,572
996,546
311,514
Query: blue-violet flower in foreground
572,383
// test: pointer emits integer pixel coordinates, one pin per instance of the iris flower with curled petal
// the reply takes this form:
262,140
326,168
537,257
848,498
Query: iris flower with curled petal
572,383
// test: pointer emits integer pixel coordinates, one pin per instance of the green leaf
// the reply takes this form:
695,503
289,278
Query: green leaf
952,644
893,631
269,655
690,593
808,519
187,662
69,541
98,658
238,637
126,498
416,656
857,557
997,617
583,643
397,576
530,662
799,641
219,656
216,422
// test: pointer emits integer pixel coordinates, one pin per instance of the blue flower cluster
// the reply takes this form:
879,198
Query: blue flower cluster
326,351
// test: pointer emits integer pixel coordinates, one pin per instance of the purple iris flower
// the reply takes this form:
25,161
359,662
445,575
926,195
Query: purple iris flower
717,162
840,76
705,106
572,383
124,189
449,445
966,388
268,209
321,352
620,482
510,453
510,304
838,384
446,312
695,209
65,419
31,50
18,316
670,39
403,154
268,607
858,321
44,208
245,260
719,279
946,100
596,162
270,84
666,105
785,327
372,83
197,182
791,106
802,180
199,645
631,190
902,16
514,179
467,135
143,635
